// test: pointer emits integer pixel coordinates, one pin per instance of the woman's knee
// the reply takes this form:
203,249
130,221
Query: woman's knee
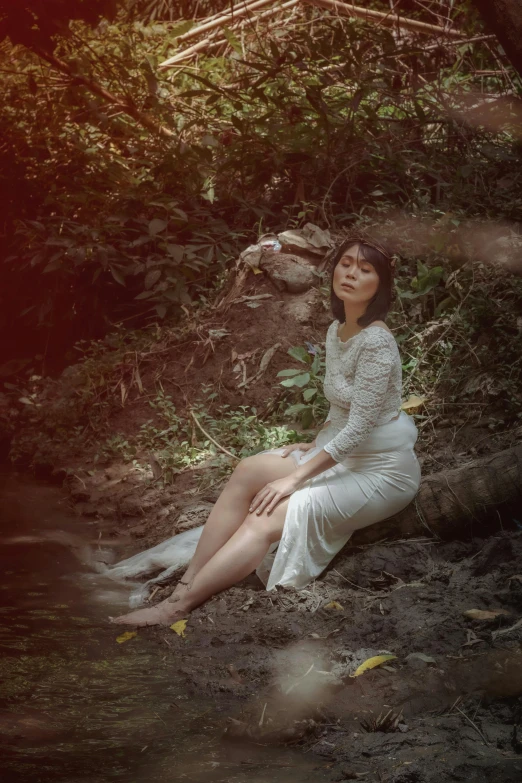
258,469
267,525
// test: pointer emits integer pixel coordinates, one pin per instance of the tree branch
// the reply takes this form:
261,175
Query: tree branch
124,104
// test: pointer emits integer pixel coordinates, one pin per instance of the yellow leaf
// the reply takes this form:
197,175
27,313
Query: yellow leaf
179,627
256,270
412,402
371,663
485,614
126,636
334,605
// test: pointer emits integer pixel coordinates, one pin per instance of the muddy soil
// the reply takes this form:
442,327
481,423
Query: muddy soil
282,661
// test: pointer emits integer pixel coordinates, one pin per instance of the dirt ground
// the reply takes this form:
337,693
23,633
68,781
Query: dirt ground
277,665
447,707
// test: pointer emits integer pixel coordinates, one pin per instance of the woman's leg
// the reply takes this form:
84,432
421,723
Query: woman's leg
237,558
231,508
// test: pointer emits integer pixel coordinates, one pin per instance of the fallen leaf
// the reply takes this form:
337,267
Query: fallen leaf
126,636
421,657
179,627
485,614
412,402
334,605
371,663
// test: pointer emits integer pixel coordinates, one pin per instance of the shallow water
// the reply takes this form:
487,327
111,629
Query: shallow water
75,705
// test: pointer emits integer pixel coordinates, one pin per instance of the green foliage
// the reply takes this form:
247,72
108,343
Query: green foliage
111,221
311,406
136,188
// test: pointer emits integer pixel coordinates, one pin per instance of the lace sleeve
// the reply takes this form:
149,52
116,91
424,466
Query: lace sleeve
372,373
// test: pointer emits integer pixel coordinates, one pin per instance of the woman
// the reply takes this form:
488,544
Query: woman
361,468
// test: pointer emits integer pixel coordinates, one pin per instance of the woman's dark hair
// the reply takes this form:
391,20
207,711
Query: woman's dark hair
380,258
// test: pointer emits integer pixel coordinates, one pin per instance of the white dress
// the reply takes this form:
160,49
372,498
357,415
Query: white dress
377,472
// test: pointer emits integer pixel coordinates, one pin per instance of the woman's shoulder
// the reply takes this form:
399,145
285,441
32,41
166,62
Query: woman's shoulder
378,334
332,328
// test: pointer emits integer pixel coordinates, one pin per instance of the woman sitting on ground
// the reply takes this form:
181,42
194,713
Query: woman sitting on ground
361,468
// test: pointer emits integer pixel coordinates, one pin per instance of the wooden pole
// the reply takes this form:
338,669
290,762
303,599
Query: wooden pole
245,5
208,43
389,20
231,16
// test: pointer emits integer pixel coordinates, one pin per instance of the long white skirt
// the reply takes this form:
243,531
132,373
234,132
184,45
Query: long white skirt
379,478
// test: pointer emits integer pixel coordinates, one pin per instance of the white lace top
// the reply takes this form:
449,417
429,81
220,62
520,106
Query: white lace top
363,383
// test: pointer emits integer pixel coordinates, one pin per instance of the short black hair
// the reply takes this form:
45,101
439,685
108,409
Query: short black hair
381,260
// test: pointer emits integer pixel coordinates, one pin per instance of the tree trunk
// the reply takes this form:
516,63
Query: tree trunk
504,18
476,499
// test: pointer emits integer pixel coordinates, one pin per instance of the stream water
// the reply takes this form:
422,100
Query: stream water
75,705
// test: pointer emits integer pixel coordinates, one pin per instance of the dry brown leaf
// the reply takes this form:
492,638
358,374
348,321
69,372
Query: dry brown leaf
485,614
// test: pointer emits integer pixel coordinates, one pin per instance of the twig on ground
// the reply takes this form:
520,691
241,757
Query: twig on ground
473,724
222,448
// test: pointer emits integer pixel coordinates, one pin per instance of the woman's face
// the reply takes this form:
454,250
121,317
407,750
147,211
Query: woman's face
355,281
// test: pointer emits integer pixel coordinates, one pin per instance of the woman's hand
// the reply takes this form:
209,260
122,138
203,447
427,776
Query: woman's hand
268,497
301,446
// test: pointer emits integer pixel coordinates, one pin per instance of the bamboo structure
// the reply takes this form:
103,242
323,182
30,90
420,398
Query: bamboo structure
251,9
387,19
210,43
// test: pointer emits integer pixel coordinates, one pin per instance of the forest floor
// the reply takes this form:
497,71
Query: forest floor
279,663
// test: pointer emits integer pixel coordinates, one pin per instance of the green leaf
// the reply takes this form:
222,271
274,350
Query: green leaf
292,410
145,295
308,394
298,380
181,28
161,310
156,226
152,277
180,213
307,419
299,353
288,373
117,275
177,252
232,39
316,364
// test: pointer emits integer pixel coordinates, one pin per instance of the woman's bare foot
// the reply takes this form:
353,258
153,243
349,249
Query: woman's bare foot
164,613
180,589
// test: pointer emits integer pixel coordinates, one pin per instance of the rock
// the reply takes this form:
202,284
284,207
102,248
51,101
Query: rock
309,242
507,252
289,272
419,661
193,515
300,309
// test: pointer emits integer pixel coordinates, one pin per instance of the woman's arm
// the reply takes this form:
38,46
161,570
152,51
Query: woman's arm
372,373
